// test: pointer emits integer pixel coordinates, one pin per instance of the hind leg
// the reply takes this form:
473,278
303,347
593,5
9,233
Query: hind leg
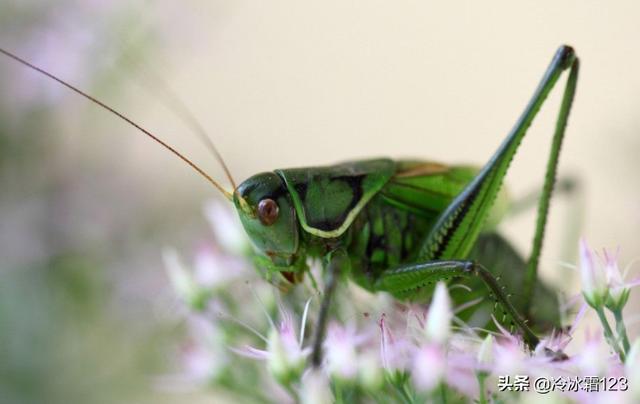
405,280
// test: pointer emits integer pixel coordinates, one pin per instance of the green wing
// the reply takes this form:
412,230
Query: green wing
426,188
327,199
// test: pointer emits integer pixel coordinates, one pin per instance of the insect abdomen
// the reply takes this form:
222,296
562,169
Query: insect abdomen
383,236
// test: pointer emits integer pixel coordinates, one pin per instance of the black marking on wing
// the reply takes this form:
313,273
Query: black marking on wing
355,183
301,190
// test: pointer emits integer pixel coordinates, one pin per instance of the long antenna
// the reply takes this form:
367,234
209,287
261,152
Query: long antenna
178,107
124,118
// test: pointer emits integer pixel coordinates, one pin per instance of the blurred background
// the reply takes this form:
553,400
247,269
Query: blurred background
87,204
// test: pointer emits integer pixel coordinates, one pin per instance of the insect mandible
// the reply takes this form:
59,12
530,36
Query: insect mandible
399,226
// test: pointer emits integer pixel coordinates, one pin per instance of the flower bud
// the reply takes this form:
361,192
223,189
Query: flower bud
370,372
183,282
485,354
315,388
594,284
618,290
285,357
439,317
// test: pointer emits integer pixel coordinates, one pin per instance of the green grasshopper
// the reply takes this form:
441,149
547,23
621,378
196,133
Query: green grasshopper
399,226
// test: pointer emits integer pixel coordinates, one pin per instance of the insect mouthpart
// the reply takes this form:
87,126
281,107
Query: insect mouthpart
280,260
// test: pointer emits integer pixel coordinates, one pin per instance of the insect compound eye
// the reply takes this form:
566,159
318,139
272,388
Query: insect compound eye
268,211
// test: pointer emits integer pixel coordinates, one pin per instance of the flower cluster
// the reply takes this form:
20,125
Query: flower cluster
604,287
380,350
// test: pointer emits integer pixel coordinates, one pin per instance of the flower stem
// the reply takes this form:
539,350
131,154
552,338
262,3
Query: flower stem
483,393
401,392
292,392
339,391
443,393
622,330
608,333
408,393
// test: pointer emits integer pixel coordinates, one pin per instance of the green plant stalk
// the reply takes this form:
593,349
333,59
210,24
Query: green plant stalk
608,333
408,393
482,377
443,393
622,330
292,392
339,392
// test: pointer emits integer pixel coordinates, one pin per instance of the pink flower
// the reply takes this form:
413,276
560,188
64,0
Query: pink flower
593,358
205,358
214,270
394,352
510,357
340,350
428,367
285,354
210,272
618,288
594,283
603,283
286,357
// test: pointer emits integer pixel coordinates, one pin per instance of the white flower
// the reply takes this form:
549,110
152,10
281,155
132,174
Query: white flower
594,283
592,358
510,357
439,317
285,355
182,280
370,371
206,358
603,285
286,358
315,388
214,270
211,271
485,353
340,348
632,367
